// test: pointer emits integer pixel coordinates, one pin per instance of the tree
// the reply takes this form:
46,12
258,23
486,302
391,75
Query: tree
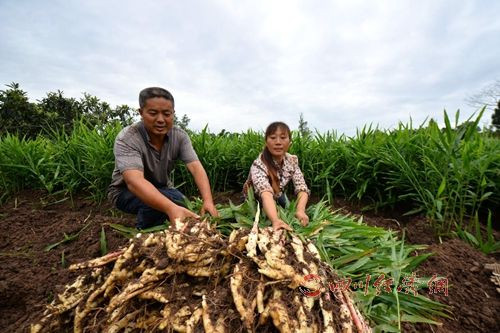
63,111
495,117
98,113
59,111
123,113
55,111
183,123
488,96
303,127
17,114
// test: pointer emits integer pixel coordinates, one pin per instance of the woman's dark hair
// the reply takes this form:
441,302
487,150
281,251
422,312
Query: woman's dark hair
267,158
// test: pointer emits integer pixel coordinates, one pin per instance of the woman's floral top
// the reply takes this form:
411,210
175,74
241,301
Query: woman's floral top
259,179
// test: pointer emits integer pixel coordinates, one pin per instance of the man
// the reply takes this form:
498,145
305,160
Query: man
145,153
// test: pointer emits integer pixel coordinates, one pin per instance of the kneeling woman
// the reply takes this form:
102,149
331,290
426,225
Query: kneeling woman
272,171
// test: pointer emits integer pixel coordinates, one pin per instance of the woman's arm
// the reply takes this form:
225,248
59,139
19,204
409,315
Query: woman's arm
302,192
300,214
271,211
263,189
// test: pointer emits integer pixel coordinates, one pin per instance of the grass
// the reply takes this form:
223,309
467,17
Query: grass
450,174
475,238
68,238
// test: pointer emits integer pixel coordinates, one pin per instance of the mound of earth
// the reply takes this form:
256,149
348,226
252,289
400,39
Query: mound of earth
31,277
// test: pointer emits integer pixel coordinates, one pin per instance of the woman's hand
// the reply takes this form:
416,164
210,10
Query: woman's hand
279,224
210,208
302,217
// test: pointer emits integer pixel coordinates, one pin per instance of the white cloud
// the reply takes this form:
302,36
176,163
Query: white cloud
239,65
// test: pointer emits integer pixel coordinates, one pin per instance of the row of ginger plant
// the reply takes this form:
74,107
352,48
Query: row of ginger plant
449,173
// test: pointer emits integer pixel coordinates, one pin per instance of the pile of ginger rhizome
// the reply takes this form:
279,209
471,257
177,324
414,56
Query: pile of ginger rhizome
191,278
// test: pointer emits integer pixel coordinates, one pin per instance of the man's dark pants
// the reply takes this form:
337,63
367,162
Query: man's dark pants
146,216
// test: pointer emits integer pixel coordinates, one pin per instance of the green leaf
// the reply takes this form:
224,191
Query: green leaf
485,196
414,211
418,319
386,328
128,232
355,266
441,187
103,242
439,206
63,259
154,229
67,238
351,257
473,240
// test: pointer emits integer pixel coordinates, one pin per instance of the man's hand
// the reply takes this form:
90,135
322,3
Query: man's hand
181,213
201,180
210,208
279,224
302,217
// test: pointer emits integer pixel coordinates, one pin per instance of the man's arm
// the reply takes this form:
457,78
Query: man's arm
201,180
150,195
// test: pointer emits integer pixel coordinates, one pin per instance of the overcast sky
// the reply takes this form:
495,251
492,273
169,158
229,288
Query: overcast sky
243,64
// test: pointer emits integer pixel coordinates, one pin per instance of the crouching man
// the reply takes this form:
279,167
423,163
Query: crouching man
145,154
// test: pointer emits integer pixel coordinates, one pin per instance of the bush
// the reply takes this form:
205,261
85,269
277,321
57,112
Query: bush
19,116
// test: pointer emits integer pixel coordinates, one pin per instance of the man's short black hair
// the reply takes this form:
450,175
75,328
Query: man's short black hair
152,92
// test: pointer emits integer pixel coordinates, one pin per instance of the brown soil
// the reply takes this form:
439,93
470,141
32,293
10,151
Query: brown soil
474,301
30,277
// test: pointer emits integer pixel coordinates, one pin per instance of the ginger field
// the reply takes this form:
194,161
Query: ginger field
31,276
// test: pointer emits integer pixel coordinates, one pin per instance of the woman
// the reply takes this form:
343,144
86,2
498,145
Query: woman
272,171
